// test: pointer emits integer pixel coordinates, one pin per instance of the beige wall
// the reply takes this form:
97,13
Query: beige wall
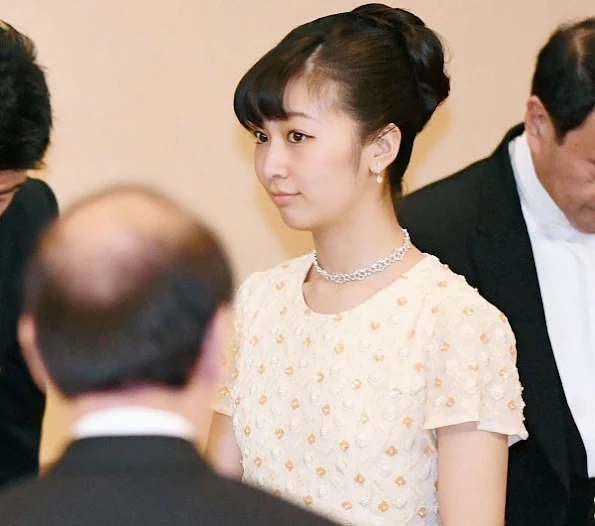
142,91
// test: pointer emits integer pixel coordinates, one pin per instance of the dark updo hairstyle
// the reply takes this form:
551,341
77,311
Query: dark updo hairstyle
387,65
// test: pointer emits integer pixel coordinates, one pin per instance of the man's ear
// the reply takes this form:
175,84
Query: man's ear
218,332
538,124
27,335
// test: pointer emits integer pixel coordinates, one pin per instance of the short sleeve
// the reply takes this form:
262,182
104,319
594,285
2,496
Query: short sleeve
471,370
223,402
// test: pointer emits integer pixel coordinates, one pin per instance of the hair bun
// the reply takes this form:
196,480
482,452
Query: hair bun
423,47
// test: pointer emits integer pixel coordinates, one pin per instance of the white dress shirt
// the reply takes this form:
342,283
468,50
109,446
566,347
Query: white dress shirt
565,262
132,421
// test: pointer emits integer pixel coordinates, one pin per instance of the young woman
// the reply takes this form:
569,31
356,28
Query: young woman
365,375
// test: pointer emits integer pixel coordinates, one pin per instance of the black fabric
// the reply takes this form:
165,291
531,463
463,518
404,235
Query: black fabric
582,502
147,481
21,403
473,222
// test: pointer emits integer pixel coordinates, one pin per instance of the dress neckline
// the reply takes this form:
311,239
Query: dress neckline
392,285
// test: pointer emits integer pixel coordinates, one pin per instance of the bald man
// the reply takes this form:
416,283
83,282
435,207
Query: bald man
125,304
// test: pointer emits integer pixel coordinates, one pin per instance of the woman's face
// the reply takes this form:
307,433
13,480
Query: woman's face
311,164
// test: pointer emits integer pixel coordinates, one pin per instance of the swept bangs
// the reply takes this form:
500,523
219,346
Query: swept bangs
259,94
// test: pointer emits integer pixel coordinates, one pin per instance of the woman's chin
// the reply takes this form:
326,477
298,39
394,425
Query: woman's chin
295,221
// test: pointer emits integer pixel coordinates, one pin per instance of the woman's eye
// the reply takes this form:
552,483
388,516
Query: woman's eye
260,137
297,137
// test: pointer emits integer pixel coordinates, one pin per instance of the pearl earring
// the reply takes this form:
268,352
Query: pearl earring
379,176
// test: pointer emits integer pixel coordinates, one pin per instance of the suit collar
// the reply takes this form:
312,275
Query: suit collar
507,278
500,205
100,454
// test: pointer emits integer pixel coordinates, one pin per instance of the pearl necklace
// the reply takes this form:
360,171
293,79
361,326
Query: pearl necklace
379,266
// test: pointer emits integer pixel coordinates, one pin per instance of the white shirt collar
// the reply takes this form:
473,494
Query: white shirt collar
127,421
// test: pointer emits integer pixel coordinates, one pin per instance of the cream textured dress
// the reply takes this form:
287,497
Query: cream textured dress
338,412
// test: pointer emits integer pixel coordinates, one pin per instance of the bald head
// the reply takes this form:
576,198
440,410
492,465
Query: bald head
110,243
124,283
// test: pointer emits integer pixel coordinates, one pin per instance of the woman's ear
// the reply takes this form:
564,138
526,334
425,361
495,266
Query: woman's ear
384,149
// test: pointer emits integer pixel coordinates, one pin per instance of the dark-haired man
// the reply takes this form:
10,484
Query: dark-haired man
26,205
125,302
520,225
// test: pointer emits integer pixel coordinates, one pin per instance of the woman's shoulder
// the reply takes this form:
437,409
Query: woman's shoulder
453,295
276,278
471,360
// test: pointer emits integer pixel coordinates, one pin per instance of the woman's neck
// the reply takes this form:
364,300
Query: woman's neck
359,241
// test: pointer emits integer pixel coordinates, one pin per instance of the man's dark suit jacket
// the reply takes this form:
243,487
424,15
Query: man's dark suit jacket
474,223
144,480
21,403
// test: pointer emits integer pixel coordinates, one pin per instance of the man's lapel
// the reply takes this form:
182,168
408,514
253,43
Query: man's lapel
507,278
